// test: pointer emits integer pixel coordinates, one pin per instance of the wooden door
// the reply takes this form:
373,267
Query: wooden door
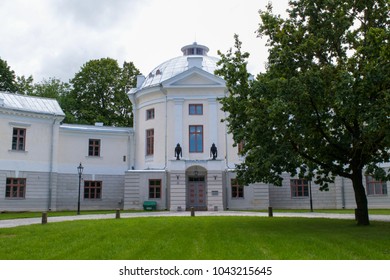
196,193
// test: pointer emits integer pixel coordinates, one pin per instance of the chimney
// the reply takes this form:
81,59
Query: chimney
140,80
194,61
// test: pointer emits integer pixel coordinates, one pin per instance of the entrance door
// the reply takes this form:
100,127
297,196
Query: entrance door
196,193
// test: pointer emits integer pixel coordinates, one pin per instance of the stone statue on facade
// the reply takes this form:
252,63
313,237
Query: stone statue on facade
178,152
213,151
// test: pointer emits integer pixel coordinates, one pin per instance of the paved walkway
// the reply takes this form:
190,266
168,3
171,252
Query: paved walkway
30,221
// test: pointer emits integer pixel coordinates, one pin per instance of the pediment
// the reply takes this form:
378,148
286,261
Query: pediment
194,77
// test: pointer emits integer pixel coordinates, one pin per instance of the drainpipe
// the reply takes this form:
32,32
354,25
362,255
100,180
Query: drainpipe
134,138
226,162
51,164
342,193
164,91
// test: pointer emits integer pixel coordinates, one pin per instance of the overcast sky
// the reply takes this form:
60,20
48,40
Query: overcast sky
54,38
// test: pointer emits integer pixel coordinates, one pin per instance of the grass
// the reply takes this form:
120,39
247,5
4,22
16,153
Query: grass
332,211
198,238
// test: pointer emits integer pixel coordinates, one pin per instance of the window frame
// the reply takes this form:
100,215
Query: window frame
197,137
155,189
299,188
150,114
236,189
371,186
20,186
18,139
94,147
92,189
149,142
195,109
240,147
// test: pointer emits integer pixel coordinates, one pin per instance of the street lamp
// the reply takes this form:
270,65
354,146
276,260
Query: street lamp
80,171
311,197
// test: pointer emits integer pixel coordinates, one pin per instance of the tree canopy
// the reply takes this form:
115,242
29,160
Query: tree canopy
99,92
7,77
322,108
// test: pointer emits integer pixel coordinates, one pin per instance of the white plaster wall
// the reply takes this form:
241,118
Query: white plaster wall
115,157
37,156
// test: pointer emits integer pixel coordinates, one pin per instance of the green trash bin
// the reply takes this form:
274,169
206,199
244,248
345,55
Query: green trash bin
150,205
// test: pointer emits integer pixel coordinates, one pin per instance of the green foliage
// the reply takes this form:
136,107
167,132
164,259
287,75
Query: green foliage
7,77
99,93
197,238
322,108
25,85
56,89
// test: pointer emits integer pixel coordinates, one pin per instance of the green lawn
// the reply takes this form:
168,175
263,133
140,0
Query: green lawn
332,211
198,238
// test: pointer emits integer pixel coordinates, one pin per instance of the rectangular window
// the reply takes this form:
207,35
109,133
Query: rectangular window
19,139
149,142
15,188
196,138
199,51
237,189
240,147
150,114
196,109
92,189
375,187
94,148
299,188
154,188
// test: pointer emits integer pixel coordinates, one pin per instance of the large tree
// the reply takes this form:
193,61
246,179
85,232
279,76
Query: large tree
7,77
322,108
99,92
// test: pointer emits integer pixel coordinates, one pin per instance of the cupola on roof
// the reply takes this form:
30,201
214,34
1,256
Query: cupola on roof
194,55
195,49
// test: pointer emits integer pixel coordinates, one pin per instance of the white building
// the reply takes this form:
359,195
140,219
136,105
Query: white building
176,104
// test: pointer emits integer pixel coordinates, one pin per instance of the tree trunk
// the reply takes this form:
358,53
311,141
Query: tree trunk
361,199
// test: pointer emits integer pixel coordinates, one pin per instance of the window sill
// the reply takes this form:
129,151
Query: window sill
94,157
18,151
149,158
15,198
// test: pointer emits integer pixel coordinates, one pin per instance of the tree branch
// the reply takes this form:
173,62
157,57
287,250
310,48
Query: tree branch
324,135
331,167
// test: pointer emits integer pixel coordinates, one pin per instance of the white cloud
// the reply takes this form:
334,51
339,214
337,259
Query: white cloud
54,38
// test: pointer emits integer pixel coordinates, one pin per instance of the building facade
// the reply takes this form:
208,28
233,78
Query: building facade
178,153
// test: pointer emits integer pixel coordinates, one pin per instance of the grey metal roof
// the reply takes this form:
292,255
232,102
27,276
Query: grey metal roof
30,104
177,65
81,128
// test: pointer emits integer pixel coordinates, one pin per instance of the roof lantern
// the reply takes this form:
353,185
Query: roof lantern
194,55
194,49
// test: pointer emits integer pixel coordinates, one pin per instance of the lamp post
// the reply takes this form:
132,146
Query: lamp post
311,197
80,171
